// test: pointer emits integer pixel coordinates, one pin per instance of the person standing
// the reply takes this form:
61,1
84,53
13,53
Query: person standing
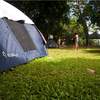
75,40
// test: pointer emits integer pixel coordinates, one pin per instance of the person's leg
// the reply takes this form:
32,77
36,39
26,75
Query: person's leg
76,46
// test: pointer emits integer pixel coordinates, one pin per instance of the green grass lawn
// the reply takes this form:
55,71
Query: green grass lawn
65,74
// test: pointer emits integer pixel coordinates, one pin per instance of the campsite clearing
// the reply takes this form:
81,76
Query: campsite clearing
64,74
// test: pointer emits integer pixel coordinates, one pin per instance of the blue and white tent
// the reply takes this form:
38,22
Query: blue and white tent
19,42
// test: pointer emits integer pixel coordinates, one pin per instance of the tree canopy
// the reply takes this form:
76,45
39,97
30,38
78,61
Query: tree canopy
49,16
54,17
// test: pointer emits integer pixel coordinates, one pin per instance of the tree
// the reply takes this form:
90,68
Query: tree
78,11
95,15
49,16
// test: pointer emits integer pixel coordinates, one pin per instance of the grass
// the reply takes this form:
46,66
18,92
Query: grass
62,75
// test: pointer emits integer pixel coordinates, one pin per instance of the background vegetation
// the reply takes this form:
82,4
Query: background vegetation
55,17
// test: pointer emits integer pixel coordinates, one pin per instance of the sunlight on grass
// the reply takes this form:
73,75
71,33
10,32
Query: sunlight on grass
65,74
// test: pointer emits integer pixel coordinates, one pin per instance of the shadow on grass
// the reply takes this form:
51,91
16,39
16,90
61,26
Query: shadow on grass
95,51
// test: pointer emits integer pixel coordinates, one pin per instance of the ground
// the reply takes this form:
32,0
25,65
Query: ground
65,74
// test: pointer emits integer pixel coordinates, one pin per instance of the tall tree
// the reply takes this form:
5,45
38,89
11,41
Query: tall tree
86,10
77,8
95,15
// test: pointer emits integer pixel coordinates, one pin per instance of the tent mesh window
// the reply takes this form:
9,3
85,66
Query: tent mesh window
22,35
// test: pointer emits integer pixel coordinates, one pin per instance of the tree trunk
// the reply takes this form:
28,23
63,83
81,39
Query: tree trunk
83,22
86,33
87,39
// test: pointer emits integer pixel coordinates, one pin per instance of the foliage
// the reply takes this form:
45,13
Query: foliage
95,14
63,75
47,15
80,9
74,27
71,28
53,17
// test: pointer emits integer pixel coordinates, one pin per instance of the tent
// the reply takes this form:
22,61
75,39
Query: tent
51,43
19,42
